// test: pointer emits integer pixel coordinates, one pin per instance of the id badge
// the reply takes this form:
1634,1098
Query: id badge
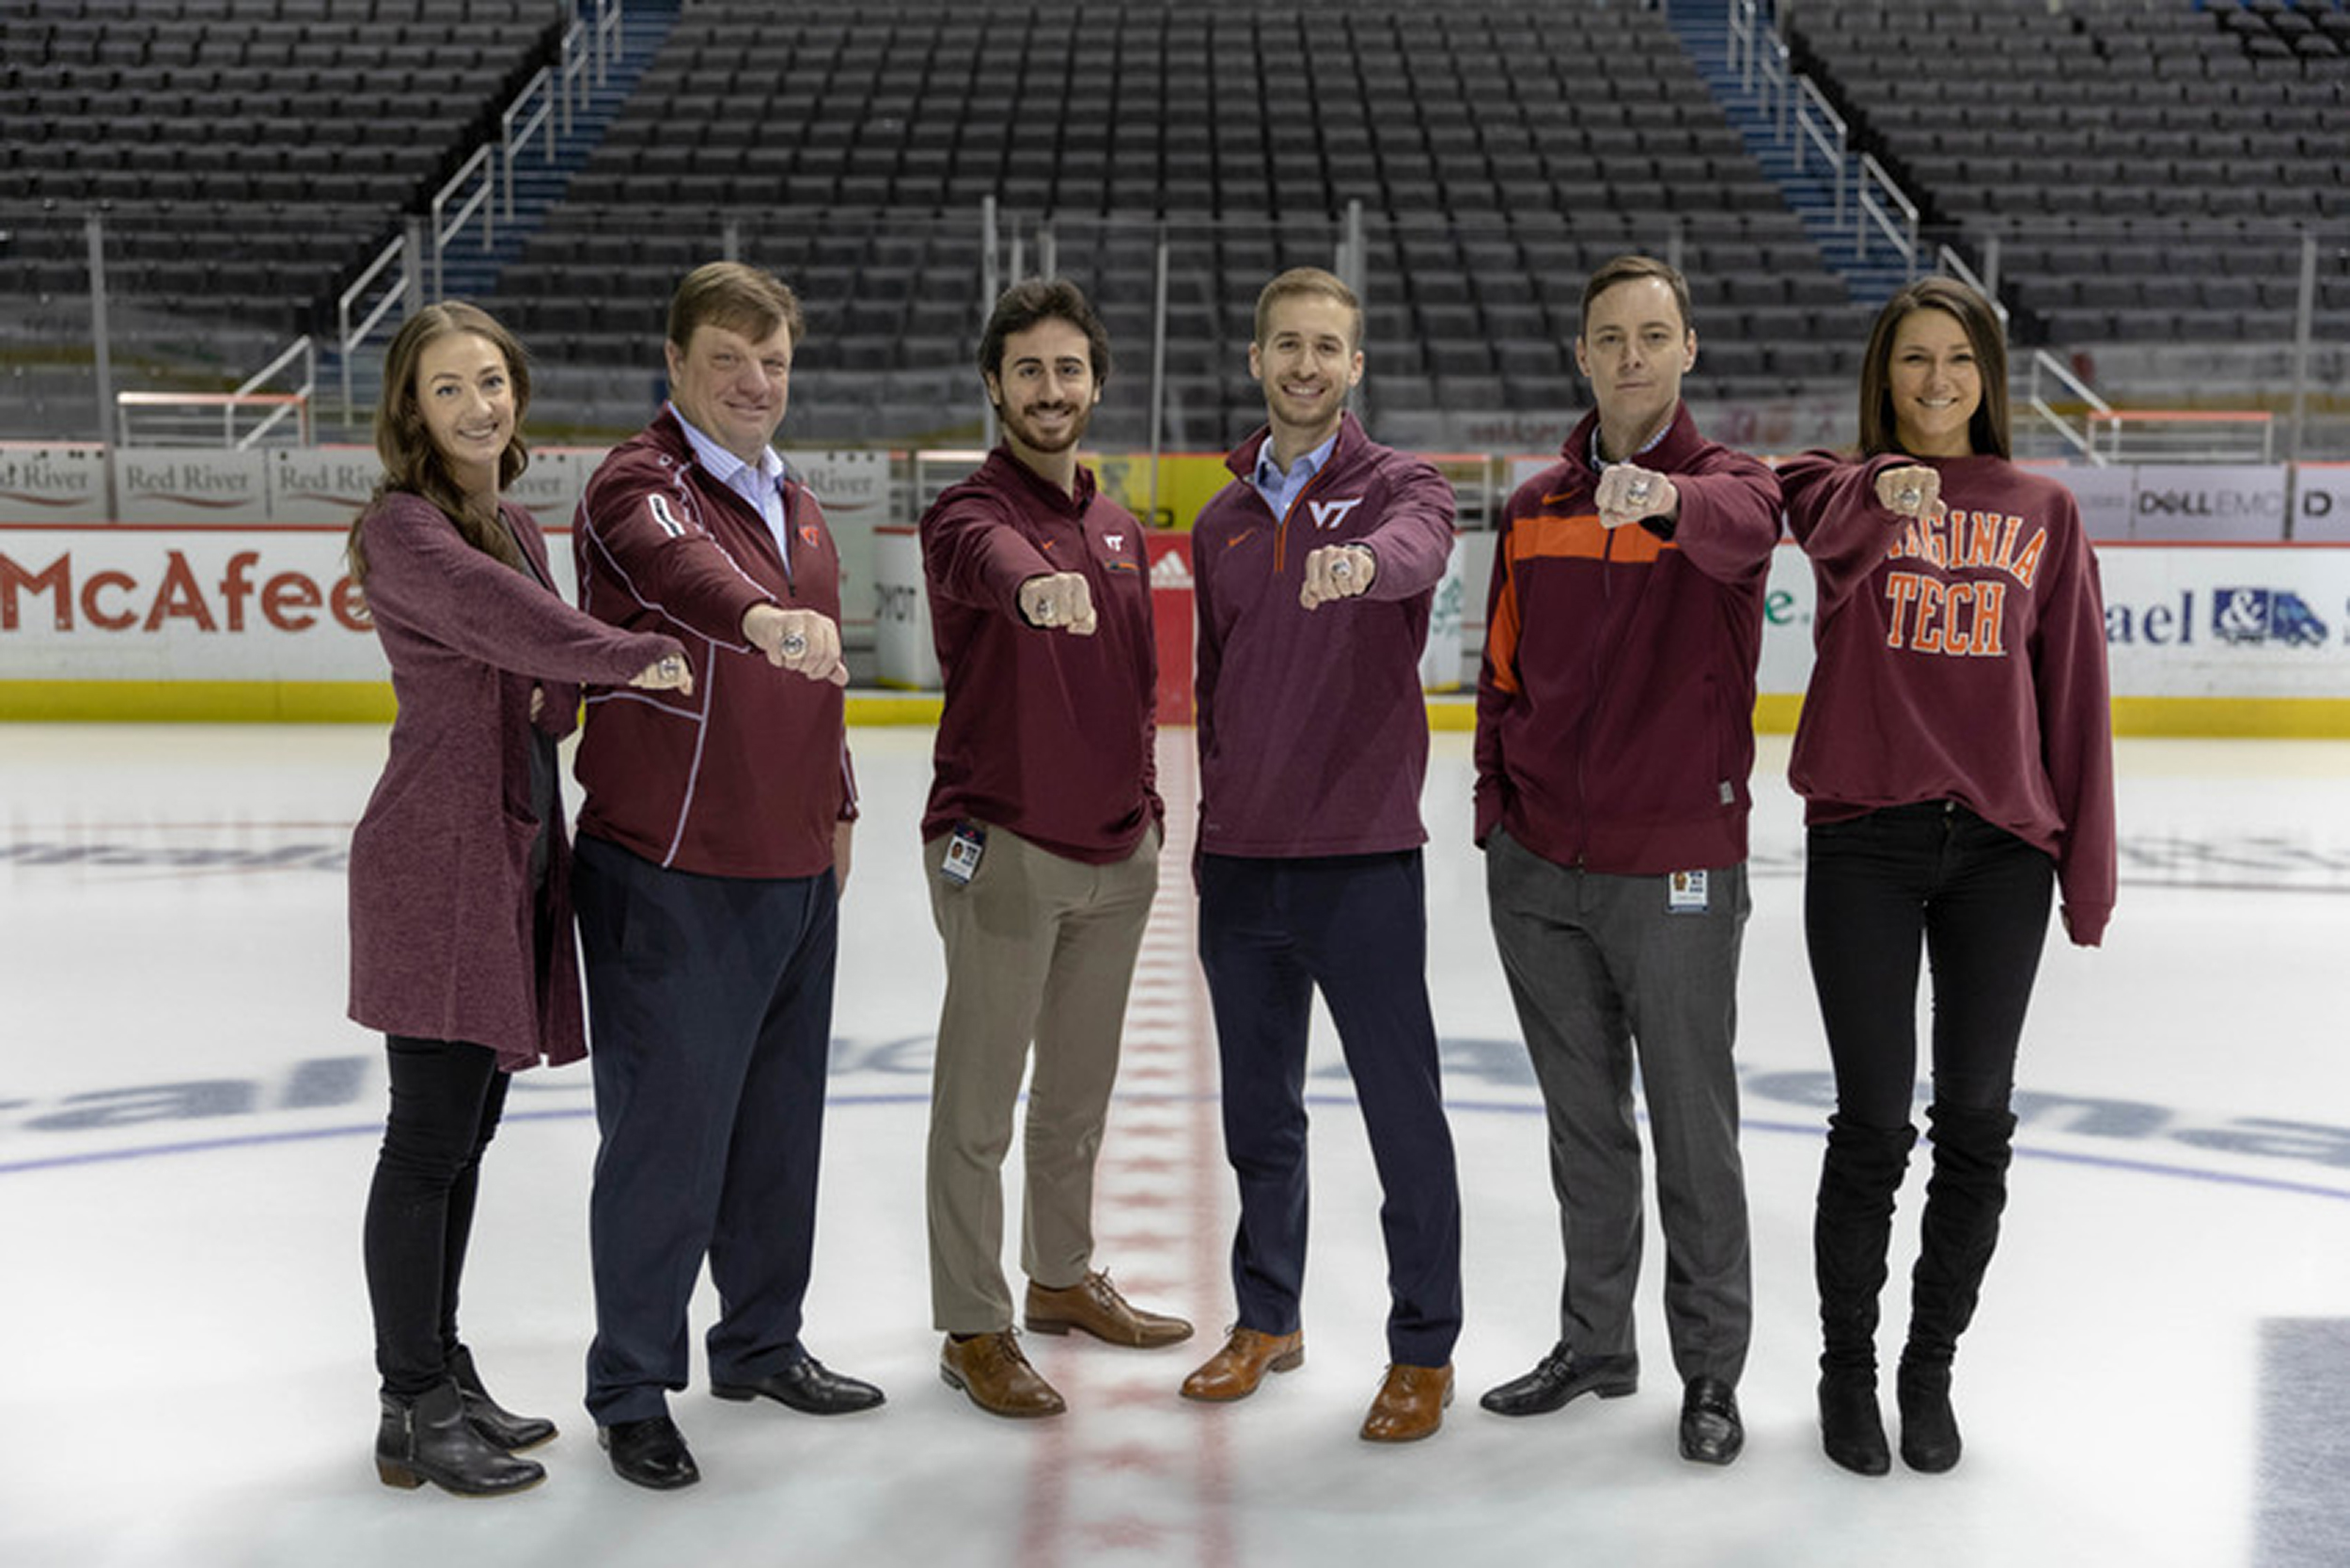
1685,893
963,849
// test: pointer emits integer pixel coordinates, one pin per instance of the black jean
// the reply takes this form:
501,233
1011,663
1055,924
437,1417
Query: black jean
445,1099
1976,898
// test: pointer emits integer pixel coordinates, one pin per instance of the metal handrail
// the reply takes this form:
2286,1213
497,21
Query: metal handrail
1948,260
1778,87
607,38
518,123
346,337
1740,55
575,64
445,230
2081,440
303,349
1812,113
1876,188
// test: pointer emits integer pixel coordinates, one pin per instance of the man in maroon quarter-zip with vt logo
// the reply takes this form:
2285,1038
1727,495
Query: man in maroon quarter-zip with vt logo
1315,569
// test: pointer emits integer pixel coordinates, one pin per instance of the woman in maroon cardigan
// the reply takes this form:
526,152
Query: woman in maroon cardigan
460,920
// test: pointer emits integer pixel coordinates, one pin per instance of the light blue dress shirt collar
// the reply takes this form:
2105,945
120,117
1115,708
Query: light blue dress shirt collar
1279,489
761,483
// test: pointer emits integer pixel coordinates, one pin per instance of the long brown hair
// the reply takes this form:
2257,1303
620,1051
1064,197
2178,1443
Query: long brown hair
1987,431
412,462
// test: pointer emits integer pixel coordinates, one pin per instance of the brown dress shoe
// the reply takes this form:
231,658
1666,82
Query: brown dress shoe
990,1367
1410,1404
1235,1372
1095,1304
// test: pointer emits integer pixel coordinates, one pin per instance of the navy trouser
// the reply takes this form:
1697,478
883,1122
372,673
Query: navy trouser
710,1010
1270,932
1975,898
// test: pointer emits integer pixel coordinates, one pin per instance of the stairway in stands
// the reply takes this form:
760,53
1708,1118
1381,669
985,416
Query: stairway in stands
1703,30
471,273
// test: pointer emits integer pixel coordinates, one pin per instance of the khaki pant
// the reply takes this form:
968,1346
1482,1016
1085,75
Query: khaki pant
1040,949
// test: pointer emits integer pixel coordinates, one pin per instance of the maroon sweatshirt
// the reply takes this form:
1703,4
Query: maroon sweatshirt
1045,733
1964,660
1615,708
1313,733
749,775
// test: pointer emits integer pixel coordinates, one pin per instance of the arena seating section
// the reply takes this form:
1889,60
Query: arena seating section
2148,166
1499,151
2136,155
250,156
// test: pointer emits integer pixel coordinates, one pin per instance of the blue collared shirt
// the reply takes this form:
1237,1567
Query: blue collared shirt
1279,489
761,483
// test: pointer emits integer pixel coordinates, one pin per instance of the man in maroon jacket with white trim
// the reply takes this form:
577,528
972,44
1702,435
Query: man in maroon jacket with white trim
712,846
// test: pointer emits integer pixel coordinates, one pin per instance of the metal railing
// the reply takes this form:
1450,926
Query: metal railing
532,112
347,337
2182,435
448,227
2082,440
1884,207
1820,127
1949,263
605,38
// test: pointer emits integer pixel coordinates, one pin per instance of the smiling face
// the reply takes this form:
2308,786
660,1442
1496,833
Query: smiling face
465,392
1934,383
731,388
1306,361
1635,346
1046,390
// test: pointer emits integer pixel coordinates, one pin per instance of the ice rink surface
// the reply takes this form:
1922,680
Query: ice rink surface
2160,1375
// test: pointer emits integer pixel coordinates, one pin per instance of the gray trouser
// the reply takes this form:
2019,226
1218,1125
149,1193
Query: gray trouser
1599,965
1040,949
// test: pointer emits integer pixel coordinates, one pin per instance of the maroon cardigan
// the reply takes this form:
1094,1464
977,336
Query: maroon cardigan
440,910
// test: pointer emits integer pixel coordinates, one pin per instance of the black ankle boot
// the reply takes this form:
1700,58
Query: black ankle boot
499,1426
427,1438
1929,1427
1851,1430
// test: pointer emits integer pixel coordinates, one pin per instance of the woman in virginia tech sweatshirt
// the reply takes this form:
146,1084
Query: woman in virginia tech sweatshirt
1955,757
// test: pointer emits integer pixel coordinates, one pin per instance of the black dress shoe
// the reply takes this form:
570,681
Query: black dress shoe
1710,1432
649,1452
1561,1376
806,1386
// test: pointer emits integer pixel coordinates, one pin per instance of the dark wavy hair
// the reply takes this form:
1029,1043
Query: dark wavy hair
1043,299
1987,431
412,463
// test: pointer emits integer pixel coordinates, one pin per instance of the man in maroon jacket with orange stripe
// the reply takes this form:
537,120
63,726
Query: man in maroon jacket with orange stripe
1615,734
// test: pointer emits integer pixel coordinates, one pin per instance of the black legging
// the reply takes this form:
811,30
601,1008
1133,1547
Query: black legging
1976,898
446,1097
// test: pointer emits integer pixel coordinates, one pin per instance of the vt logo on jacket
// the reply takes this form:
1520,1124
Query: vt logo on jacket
1330,515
